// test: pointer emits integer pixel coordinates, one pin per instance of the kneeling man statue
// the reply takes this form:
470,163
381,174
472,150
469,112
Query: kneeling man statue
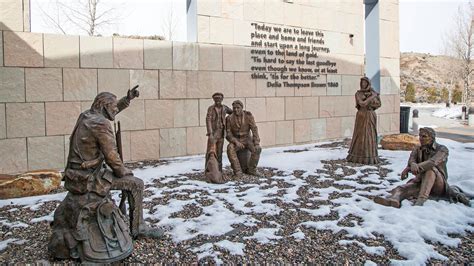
428,163
87,224
238,127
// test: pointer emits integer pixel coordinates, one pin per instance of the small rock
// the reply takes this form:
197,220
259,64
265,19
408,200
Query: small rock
405,142
29,184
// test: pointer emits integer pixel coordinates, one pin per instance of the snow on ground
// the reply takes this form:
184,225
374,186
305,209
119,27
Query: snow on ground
423,105
454,112
33,202
4,244
410,230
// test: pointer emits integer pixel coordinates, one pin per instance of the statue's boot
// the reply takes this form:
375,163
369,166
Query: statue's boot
464,199
456,194
234,161
253,162
138,227
427,183
144,231
394,200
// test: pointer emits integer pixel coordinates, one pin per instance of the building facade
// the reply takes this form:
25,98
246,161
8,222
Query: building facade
294,64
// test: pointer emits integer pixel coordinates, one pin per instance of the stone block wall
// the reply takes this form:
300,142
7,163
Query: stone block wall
15,15
389,115
47,80
229,22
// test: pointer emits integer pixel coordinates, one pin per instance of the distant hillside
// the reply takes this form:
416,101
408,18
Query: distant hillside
428,73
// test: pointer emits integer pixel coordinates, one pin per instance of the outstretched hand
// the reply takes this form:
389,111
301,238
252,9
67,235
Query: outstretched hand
133,93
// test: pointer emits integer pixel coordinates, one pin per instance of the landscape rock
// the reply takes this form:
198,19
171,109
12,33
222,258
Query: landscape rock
29,184
404,142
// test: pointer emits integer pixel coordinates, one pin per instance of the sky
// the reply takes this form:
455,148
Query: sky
137,17
422,22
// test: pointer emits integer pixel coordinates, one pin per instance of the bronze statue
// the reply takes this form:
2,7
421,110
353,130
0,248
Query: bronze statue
87,224
428,163
215,124
238,127
364,139
212,172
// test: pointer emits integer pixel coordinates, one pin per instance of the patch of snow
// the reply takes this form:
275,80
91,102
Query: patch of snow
48,218
255,196
321,211
207,250
215,220
368,249
354,184
291,193
276,158
324,193
234,248
298,234
15,224
33,202
454,112
4,243
432,126
265,235
339,171
370,263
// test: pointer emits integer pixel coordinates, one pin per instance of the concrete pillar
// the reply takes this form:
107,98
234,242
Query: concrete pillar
372,42
191,20
15,15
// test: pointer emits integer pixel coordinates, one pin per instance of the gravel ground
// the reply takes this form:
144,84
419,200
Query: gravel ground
319,246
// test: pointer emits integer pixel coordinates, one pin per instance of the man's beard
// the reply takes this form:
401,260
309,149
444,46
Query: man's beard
109,114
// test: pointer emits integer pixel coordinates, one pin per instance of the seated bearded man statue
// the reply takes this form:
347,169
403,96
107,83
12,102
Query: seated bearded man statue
428,163
87,224
242,134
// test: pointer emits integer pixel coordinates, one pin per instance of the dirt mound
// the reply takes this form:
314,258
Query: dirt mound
425,71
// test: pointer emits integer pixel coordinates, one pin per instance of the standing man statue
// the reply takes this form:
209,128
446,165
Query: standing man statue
428,163
238,127
215,124
87,224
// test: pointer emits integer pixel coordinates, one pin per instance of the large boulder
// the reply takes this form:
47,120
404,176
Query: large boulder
405,142
29,184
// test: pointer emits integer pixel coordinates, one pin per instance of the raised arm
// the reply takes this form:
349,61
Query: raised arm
227,109
125,101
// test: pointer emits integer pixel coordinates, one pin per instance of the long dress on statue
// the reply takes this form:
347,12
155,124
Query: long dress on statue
364,139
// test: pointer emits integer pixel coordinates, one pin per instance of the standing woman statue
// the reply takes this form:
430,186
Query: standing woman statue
364,139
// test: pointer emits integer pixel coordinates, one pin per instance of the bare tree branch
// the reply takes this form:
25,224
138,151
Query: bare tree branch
89,16
460,43
53,22
169,24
